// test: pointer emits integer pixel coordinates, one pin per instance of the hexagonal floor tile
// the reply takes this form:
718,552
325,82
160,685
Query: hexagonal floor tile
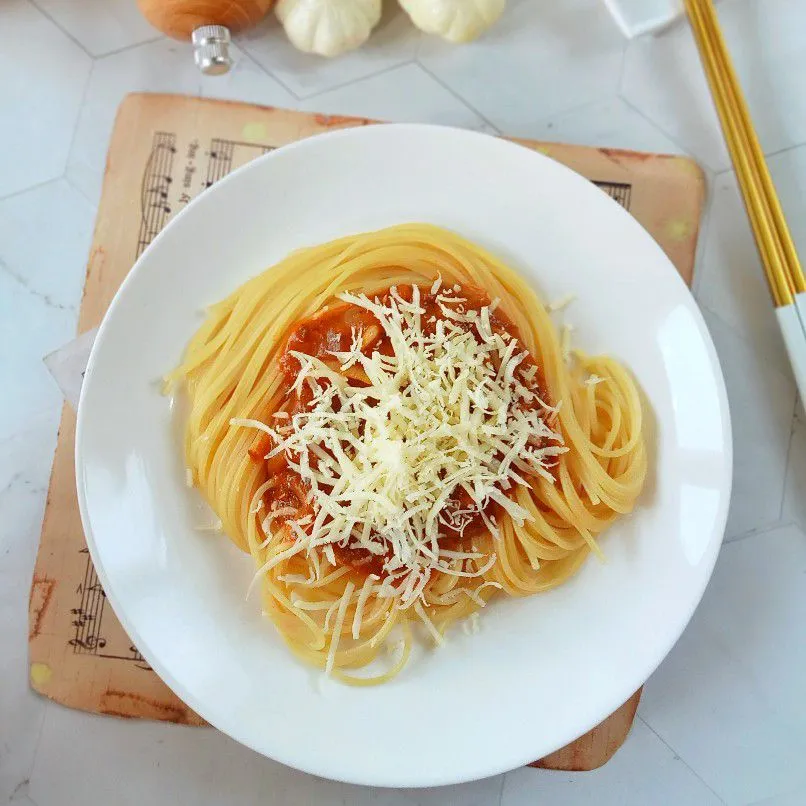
762,402
643,768
610,123
540,59
51,267
100,26
162,66
40,286
663,77
795,495
25,461
731,696
797,797
406,94
21,799
41,280
205,766
788,171
248,82
392,43
40,94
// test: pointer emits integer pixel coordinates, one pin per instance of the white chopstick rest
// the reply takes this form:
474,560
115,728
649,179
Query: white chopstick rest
794,338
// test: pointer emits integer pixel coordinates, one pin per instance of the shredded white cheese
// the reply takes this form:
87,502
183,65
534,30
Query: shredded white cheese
365,593
429,625
451,410
337,627
217,526
560,304
565,341
470,626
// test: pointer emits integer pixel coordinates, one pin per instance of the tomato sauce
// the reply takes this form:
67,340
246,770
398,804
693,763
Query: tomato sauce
332,330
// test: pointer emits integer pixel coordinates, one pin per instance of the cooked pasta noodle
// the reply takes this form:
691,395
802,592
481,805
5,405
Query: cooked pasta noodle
298,350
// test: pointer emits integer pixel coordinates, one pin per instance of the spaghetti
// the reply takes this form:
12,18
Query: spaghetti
391,426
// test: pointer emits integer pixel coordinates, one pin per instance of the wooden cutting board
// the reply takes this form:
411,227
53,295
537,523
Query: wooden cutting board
165,149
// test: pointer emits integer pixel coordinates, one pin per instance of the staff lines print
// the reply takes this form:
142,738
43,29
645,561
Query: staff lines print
88,637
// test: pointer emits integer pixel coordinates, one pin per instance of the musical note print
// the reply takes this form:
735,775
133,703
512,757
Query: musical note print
618,191
224,155
88,615
155,188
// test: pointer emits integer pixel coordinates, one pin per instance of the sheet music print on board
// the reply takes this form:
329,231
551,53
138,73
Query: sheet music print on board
178,171
618,191
88,615
226,155
155,189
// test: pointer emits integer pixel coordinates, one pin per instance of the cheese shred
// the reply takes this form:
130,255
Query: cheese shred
451,409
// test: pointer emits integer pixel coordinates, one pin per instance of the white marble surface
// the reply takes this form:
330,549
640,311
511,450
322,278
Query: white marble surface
724,718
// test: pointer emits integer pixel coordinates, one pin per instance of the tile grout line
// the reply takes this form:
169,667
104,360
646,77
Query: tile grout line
623,72
421,40
501,789
622,67
130,46
616,96
686,152
767,156
66,33
783,150
746,342
455,94
38,743
759,531
36,414
93,204
22,281
95,56
788,461
682,760
35,186
722,171
569,110
239,43
74,133
383,71
773,799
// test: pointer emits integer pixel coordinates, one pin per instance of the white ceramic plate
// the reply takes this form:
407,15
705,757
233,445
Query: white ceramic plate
542,670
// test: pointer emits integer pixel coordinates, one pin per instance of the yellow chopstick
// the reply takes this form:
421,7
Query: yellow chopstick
781,264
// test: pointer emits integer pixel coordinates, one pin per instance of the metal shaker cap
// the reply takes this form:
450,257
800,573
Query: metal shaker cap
211,49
